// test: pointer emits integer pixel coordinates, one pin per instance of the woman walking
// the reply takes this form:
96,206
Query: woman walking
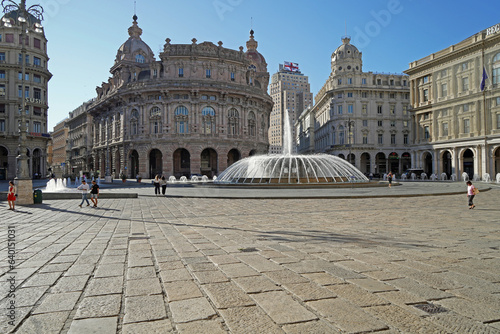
471,192
11,196
163,183
156,183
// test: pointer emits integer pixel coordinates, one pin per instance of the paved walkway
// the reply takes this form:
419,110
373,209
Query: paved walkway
208,265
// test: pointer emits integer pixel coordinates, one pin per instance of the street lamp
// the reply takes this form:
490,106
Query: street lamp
349,124
23,178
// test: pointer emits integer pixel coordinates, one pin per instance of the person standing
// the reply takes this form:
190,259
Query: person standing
94,193
471,192
156,183
389,178
84,187
11,196
163,184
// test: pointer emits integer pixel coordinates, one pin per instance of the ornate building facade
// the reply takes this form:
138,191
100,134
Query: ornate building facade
197,110
14,87
362,117
456,121
78,148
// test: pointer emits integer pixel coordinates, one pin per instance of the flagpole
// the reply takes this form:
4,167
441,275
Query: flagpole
484,155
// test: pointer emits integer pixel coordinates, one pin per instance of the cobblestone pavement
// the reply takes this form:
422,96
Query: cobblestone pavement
183,265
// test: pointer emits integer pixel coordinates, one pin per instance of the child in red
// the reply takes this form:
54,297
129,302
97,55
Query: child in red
11,196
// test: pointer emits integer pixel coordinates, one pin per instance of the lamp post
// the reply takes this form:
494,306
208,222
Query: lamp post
349,125
23,177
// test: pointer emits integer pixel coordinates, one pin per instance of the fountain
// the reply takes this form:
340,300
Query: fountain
289,168
434,177
476,178
413,176
183,179
453,177
204,178
444,177
423,176
465,177
172,179
486,177
215,178
194,178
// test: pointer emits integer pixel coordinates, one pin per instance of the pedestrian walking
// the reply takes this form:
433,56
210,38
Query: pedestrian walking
471,193
94,193
84,187
156,183
163,184
389,178
11,196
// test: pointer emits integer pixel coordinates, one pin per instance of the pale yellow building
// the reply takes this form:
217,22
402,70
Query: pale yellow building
456,124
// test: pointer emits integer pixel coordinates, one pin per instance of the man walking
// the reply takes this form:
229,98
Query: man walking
94,193
84,187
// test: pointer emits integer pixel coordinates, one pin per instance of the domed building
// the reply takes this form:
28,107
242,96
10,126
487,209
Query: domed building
362,117
196,110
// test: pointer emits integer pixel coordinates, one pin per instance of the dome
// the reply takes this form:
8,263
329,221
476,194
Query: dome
254,56
346,57
135,49
346,50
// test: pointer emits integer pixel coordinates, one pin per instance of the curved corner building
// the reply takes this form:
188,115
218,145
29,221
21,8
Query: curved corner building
196,110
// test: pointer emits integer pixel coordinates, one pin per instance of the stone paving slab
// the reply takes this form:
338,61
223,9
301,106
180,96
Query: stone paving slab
181,265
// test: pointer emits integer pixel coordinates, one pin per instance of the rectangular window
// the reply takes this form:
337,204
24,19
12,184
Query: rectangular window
391,82
445,129
466,125
339,110
393,123
363,81
426,95
426,79
393,138
364,108
465,66
232,76
181,72
2,74
37,61
2,57
2,125
379,81
208,73
27,59
380,123
37,93
9,38
405,124
393,110
444,73
444,90
37,43
381,95
37,78
349,94
466,107
339,81
37,127
405,139
379,110
380,138
465,84
365,139
350,109
26,92
405,110
427,133
339,95
498,121
392,96
404,82
364,94
496,75
2,108
349,81
19,91
37,111
365,122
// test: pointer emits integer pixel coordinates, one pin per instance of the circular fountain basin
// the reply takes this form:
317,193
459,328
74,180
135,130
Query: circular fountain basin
291,169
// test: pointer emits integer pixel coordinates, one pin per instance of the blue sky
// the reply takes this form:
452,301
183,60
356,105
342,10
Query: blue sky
83,36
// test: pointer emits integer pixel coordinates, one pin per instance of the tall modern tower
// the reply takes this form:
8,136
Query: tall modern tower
290,90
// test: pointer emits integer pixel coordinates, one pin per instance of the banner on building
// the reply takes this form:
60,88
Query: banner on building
292,67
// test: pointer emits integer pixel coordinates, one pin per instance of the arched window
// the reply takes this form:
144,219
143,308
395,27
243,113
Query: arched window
140,59
496,69
251,124
181,119
233,121
208,120
341,135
